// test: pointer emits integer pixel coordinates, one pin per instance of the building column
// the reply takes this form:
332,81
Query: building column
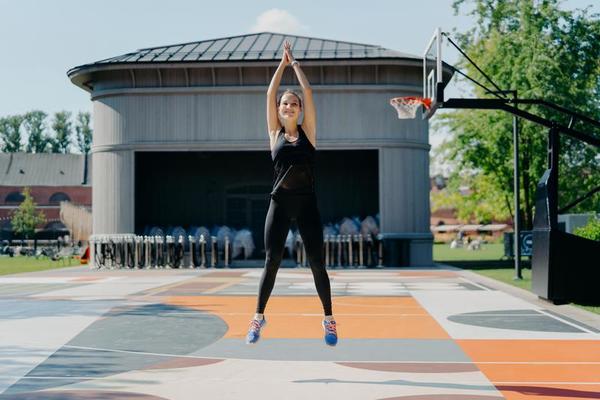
404,199
113,191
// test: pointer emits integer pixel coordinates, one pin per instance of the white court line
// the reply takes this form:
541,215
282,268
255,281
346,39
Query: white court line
475,283
337,361
321,314
375,305
543,383
483,314
307,314
567,322
110,377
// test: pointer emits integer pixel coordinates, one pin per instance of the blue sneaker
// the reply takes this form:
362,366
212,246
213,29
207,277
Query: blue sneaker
330,332
254,330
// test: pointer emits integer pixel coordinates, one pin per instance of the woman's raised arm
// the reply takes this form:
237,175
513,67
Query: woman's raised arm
273,124
309,123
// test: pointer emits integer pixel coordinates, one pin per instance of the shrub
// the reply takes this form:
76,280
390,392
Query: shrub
589,231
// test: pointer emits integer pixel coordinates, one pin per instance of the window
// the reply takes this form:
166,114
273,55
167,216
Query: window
14,197
58,197
55,226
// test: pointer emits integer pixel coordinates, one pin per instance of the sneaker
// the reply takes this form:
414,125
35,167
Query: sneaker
330,332
254,330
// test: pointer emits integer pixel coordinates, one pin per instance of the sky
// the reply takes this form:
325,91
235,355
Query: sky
41,40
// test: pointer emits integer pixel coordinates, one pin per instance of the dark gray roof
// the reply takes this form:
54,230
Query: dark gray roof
255,46
44,169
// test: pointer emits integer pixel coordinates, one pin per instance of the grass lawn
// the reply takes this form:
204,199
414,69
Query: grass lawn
15,265
488,262
490,251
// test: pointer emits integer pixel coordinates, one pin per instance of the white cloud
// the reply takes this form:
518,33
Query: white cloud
277,20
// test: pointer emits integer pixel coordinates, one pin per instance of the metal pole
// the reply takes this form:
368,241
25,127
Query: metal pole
517,241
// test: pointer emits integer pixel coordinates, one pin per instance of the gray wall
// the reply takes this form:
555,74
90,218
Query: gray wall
232,117
235,118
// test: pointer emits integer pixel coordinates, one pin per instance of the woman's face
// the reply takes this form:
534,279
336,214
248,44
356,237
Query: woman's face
289,107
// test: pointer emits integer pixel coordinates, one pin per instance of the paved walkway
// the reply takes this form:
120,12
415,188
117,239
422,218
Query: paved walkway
178,334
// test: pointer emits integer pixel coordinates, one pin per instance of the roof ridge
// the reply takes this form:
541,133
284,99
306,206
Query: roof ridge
376,46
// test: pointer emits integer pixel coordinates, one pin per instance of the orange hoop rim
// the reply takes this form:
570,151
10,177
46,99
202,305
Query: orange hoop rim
412,100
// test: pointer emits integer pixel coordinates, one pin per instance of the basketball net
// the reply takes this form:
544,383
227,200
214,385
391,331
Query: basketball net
407,106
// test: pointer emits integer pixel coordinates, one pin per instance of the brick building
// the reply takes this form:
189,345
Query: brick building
52,178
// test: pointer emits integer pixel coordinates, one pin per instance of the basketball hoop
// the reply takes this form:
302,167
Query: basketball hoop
407,106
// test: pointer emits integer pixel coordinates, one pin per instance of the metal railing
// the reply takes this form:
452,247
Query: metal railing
131,251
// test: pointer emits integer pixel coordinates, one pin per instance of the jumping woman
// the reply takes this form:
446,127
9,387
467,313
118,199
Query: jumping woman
293,195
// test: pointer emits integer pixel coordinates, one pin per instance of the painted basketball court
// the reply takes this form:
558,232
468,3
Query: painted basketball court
179,334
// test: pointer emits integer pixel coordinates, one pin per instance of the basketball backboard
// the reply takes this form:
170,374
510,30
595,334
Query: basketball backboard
433,86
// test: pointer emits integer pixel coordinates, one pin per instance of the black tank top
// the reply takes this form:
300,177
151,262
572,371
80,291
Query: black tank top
293,164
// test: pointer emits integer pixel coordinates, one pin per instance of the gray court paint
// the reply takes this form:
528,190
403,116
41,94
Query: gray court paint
571,320
26,308
28,289
153,328
519,320
347,349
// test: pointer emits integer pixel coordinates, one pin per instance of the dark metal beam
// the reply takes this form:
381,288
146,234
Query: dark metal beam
497,104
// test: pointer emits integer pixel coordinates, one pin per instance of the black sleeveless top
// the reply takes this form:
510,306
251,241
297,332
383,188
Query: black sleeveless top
293,164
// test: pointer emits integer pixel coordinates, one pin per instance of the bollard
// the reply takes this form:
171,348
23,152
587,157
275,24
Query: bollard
329,251
106,252
380,255
120,243
97,253
169,251
179,252
369,250
342,251
166,251
326,243
335,251
192,263
163,252
91,260
227,251
140,256
148,252
350,252
202,252
110,253
361,263
298,248
214,255
154,245
304,258
130,251
115,251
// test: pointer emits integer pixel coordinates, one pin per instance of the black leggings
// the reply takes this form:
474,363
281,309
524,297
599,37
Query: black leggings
284,208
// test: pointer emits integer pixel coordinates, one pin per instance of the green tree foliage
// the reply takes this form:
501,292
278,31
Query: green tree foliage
10,133
63,130
25,218
477,198
591,230
84,132
35,127
544,53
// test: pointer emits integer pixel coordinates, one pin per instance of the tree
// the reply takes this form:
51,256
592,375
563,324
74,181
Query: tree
62,127
84,132
35,126
544,53
10,133
25,218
